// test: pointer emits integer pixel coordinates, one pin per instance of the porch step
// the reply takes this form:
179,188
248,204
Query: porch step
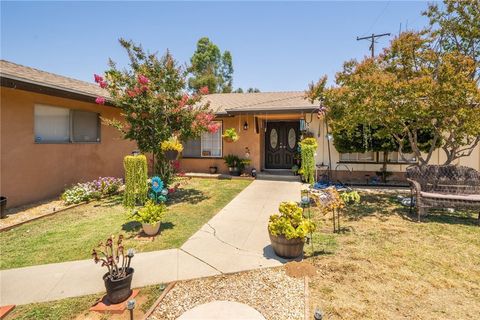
277,175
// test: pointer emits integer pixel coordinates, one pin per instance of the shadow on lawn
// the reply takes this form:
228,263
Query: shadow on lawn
380,205
191,196
134,226
383,206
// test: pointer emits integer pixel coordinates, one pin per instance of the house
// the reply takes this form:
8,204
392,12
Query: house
52,135
270,124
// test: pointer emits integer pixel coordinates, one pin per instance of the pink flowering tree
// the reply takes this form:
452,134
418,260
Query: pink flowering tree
155,105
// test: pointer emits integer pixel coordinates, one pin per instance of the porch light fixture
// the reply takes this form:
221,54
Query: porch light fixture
245,126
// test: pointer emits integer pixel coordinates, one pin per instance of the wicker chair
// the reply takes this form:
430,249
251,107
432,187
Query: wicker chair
444,186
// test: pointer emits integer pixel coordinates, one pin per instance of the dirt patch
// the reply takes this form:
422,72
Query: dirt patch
300,269
270,291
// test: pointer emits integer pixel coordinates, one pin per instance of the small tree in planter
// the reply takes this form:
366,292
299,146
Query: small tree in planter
230,135
288,230
136,186
308,147
118,279
150,216
171,148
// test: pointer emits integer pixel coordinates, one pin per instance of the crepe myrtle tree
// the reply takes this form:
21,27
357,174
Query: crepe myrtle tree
409,89
151,93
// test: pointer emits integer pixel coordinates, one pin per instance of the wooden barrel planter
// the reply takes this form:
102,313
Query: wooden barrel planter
287,248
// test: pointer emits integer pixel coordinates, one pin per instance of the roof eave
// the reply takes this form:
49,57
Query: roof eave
271,111
13,82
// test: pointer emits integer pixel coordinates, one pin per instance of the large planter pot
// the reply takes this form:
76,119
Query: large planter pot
234,171
151,229
287,248
118,290
171,155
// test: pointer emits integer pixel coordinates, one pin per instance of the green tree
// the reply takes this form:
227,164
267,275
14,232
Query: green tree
151,93
210,68
410,88
456,27
253,90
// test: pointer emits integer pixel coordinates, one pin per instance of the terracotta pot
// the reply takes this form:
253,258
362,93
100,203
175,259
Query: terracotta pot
171,155
287,248
229,140
118,290
151,229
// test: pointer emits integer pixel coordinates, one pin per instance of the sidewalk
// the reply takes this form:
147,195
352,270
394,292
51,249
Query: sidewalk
236,239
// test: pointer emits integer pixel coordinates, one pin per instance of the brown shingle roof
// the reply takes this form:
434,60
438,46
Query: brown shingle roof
222,103
42,78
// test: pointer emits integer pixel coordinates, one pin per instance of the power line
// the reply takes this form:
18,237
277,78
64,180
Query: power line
372,40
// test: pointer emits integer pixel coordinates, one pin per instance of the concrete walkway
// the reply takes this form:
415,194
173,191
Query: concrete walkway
235,239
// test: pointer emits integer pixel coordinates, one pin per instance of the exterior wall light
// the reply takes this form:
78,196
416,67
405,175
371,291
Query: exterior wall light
245,126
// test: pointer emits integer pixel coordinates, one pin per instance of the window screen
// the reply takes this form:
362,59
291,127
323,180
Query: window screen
360,157
208,145
85,126
192,148
52,124
212,144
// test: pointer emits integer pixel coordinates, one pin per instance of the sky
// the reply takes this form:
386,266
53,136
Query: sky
276,46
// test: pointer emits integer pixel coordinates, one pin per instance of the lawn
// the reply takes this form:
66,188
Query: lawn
386,265
71,235
77,308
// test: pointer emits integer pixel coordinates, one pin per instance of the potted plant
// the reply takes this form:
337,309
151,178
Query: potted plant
118,279
295,169
288,230
213,169
230,135
150,216
171,148
233,163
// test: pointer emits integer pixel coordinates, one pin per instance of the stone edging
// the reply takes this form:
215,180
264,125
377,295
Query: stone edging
157,302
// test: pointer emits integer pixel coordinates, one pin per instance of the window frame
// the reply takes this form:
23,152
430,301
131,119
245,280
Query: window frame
201,147
376,160
70,126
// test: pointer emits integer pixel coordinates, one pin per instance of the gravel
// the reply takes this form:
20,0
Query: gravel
270,291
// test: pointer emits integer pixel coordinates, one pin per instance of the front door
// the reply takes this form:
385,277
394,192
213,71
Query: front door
281,141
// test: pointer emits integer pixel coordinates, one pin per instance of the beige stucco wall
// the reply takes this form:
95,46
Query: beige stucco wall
30,171
317,126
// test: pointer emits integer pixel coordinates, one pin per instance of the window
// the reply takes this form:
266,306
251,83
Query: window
52,124
358,157
85,126
208,145
62,125
396,157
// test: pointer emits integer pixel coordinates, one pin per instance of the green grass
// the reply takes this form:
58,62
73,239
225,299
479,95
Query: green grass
71,235
71,308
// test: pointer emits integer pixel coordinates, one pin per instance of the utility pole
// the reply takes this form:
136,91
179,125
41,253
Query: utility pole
372,40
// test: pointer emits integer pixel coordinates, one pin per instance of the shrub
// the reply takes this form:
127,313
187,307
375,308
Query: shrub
151,213
232,160
308,147
107,185
171,144
79,193
350,197
136,186
290,222
231,135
